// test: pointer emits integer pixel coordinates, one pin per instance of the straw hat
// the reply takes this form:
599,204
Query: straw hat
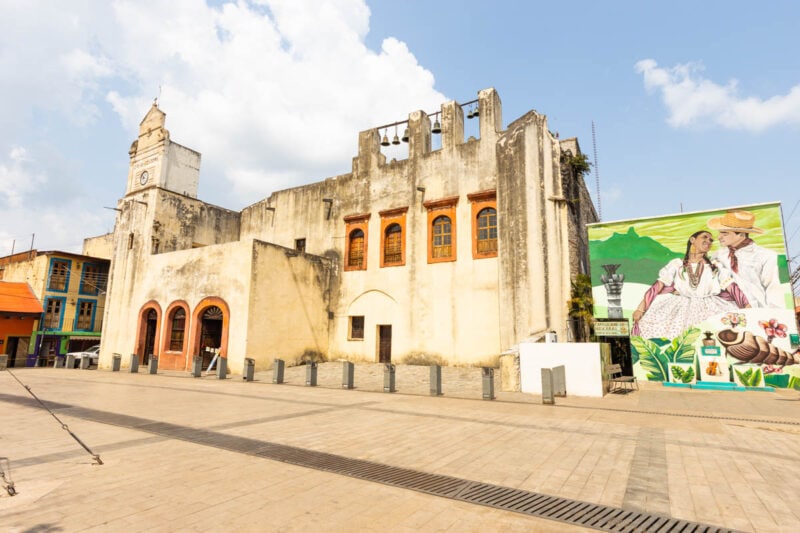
739,221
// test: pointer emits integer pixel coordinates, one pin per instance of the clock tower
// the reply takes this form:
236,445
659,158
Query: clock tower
158,162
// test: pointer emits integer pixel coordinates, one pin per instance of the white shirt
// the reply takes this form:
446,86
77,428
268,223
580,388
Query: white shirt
758,275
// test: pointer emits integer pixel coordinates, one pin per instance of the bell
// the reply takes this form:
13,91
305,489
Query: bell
405,136
476,112
437,128
470,114
396,139
385,141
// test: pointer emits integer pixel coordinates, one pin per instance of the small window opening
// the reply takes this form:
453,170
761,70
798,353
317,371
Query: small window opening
356,328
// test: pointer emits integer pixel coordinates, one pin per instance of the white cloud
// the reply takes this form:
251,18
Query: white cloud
692,99
18,178
273,93
271,97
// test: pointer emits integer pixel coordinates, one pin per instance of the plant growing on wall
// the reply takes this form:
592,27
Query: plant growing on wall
655,360
580,163
581,304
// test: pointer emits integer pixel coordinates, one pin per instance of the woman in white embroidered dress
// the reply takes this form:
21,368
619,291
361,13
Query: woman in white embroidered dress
687,292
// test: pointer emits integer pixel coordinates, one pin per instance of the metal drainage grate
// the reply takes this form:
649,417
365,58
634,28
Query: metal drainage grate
574,512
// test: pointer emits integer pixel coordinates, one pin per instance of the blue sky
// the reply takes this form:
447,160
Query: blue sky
696,104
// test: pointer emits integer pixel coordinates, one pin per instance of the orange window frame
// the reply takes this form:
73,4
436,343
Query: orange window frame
352,223
480,201
436,208
389,217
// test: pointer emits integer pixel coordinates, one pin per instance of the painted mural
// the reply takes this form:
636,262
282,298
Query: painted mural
707,295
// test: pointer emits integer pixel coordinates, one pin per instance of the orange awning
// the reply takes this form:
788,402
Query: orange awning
18,299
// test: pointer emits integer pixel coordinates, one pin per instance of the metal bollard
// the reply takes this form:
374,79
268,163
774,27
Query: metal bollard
547,387
488,383
152,366
116,362
348,372
70,363
58,362
197,366
222,367
559,381
85,361
388,377
311,374
249,369
134,363
277,371
436,380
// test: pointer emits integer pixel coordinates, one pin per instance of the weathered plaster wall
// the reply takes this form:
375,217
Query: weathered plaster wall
181,222
288,306
101,246
182,170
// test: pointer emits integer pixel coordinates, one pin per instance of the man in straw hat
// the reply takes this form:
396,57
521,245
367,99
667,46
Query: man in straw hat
754,268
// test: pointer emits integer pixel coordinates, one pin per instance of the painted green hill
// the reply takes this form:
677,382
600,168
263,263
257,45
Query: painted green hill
640,258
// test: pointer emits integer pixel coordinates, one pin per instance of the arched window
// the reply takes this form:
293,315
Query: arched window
178,328
355,253
442,237
487,231
393,245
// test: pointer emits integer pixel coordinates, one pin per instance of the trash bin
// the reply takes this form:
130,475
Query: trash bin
152,366
134,363
311,374
277,371
85,361
436,380
116,362
249,369
488,383
388,377
547,387
348,372
197,366
70,361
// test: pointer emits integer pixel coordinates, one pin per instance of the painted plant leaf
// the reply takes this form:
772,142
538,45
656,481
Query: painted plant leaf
751,377
651,358
688,376
677,373
681,350
794,383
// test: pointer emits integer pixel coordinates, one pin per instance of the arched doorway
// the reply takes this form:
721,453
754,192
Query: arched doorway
147,331
151,327
210,333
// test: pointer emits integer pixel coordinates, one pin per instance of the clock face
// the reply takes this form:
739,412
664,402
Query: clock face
143,177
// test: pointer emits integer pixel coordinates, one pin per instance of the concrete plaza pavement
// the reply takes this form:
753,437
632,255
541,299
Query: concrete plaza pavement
727,459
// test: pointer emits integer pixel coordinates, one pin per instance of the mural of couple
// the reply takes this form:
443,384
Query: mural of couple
707,293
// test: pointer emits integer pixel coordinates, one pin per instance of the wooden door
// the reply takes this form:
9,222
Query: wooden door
384,344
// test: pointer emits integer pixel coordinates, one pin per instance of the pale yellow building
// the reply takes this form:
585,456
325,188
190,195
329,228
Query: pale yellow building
452,255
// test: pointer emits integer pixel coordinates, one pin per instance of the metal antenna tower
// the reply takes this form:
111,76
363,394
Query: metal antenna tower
596,175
